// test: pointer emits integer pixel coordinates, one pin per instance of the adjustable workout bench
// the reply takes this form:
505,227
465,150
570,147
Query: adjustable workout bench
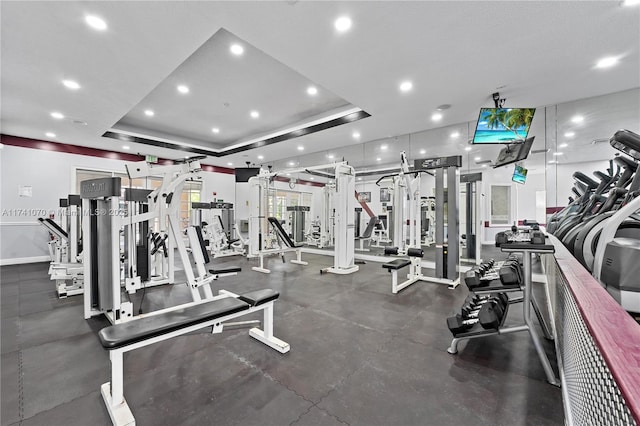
165,324
415,270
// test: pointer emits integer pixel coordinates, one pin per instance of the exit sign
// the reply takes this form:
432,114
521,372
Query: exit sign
151,159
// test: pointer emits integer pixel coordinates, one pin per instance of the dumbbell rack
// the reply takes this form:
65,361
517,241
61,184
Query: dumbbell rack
527,250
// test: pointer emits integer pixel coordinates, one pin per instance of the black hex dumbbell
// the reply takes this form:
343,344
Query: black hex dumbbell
489,317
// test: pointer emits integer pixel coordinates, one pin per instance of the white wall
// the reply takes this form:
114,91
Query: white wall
523,197
564,173
51,176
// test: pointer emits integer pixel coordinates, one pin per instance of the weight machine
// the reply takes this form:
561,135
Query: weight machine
266,236
101,226
65,267
218,231
407,218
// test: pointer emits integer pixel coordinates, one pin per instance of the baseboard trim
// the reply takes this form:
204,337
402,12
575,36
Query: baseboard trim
23,260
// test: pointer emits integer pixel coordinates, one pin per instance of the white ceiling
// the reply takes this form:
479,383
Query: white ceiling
455,53
223,90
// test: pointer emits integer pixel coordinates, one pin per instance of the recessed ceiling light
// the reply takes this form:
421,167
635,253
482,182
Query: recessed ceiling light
95,22
260,157
126,148
50,135
552,162
300,148
569,134
343,24
356,135
291,163
236,49
405,86
423,151
436,116
455,134
312,178
70,84
607,62
468,148
360,178
478,158
57,115
149,113
254,114
186,157
330,156
577,119
631,2
484,165
229,163
384,147
378,159
563,145
288,174
558,153
312,90
215,130
183,89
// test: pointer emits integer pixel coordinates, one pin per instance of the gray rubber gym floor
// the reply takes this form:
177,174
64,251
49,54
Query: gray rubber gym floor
359,355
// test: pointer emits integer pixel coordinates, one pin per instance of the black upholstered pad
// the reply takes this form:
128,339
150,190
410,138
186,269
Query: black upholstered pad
227,270
396,264
119,335
258,297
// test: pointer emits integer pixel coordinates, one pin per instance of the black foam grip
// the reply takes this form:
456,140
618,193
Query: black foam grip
415,252
391,250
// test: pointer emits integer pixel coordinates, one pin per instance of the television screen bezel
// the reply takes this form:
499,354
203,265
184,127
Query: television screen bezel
473,140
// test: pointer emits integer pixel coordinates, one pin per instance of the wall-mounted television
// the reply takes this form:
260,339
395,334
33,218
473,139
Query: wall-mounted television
503,125
514,152
519,174
243,174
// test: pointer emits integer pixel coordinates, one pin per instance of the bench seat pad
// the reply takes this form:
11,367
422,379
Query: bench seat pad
119,335
227,270
396,264
259,297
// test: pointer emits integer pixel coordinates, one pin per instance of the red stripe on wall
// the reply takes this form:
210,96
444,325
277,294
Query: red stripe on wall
552,210
92,152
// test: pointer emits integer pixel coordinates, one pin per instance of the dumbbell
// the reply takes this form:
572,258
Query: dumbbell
501,238
537,237
473,299
472,311
510,272
489,317
472,279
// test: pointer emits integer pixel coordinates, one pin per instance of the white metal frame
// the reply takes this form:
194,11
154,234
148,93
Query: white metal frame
414,275
113,391
344,223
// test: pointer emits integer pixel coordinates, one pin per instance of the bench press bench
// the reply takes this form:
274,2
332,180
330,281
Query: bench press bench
172,322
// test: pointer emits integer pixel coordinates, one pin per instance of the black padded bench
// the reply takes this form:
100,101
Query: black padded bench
227,270
396,264
415,270
165,324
